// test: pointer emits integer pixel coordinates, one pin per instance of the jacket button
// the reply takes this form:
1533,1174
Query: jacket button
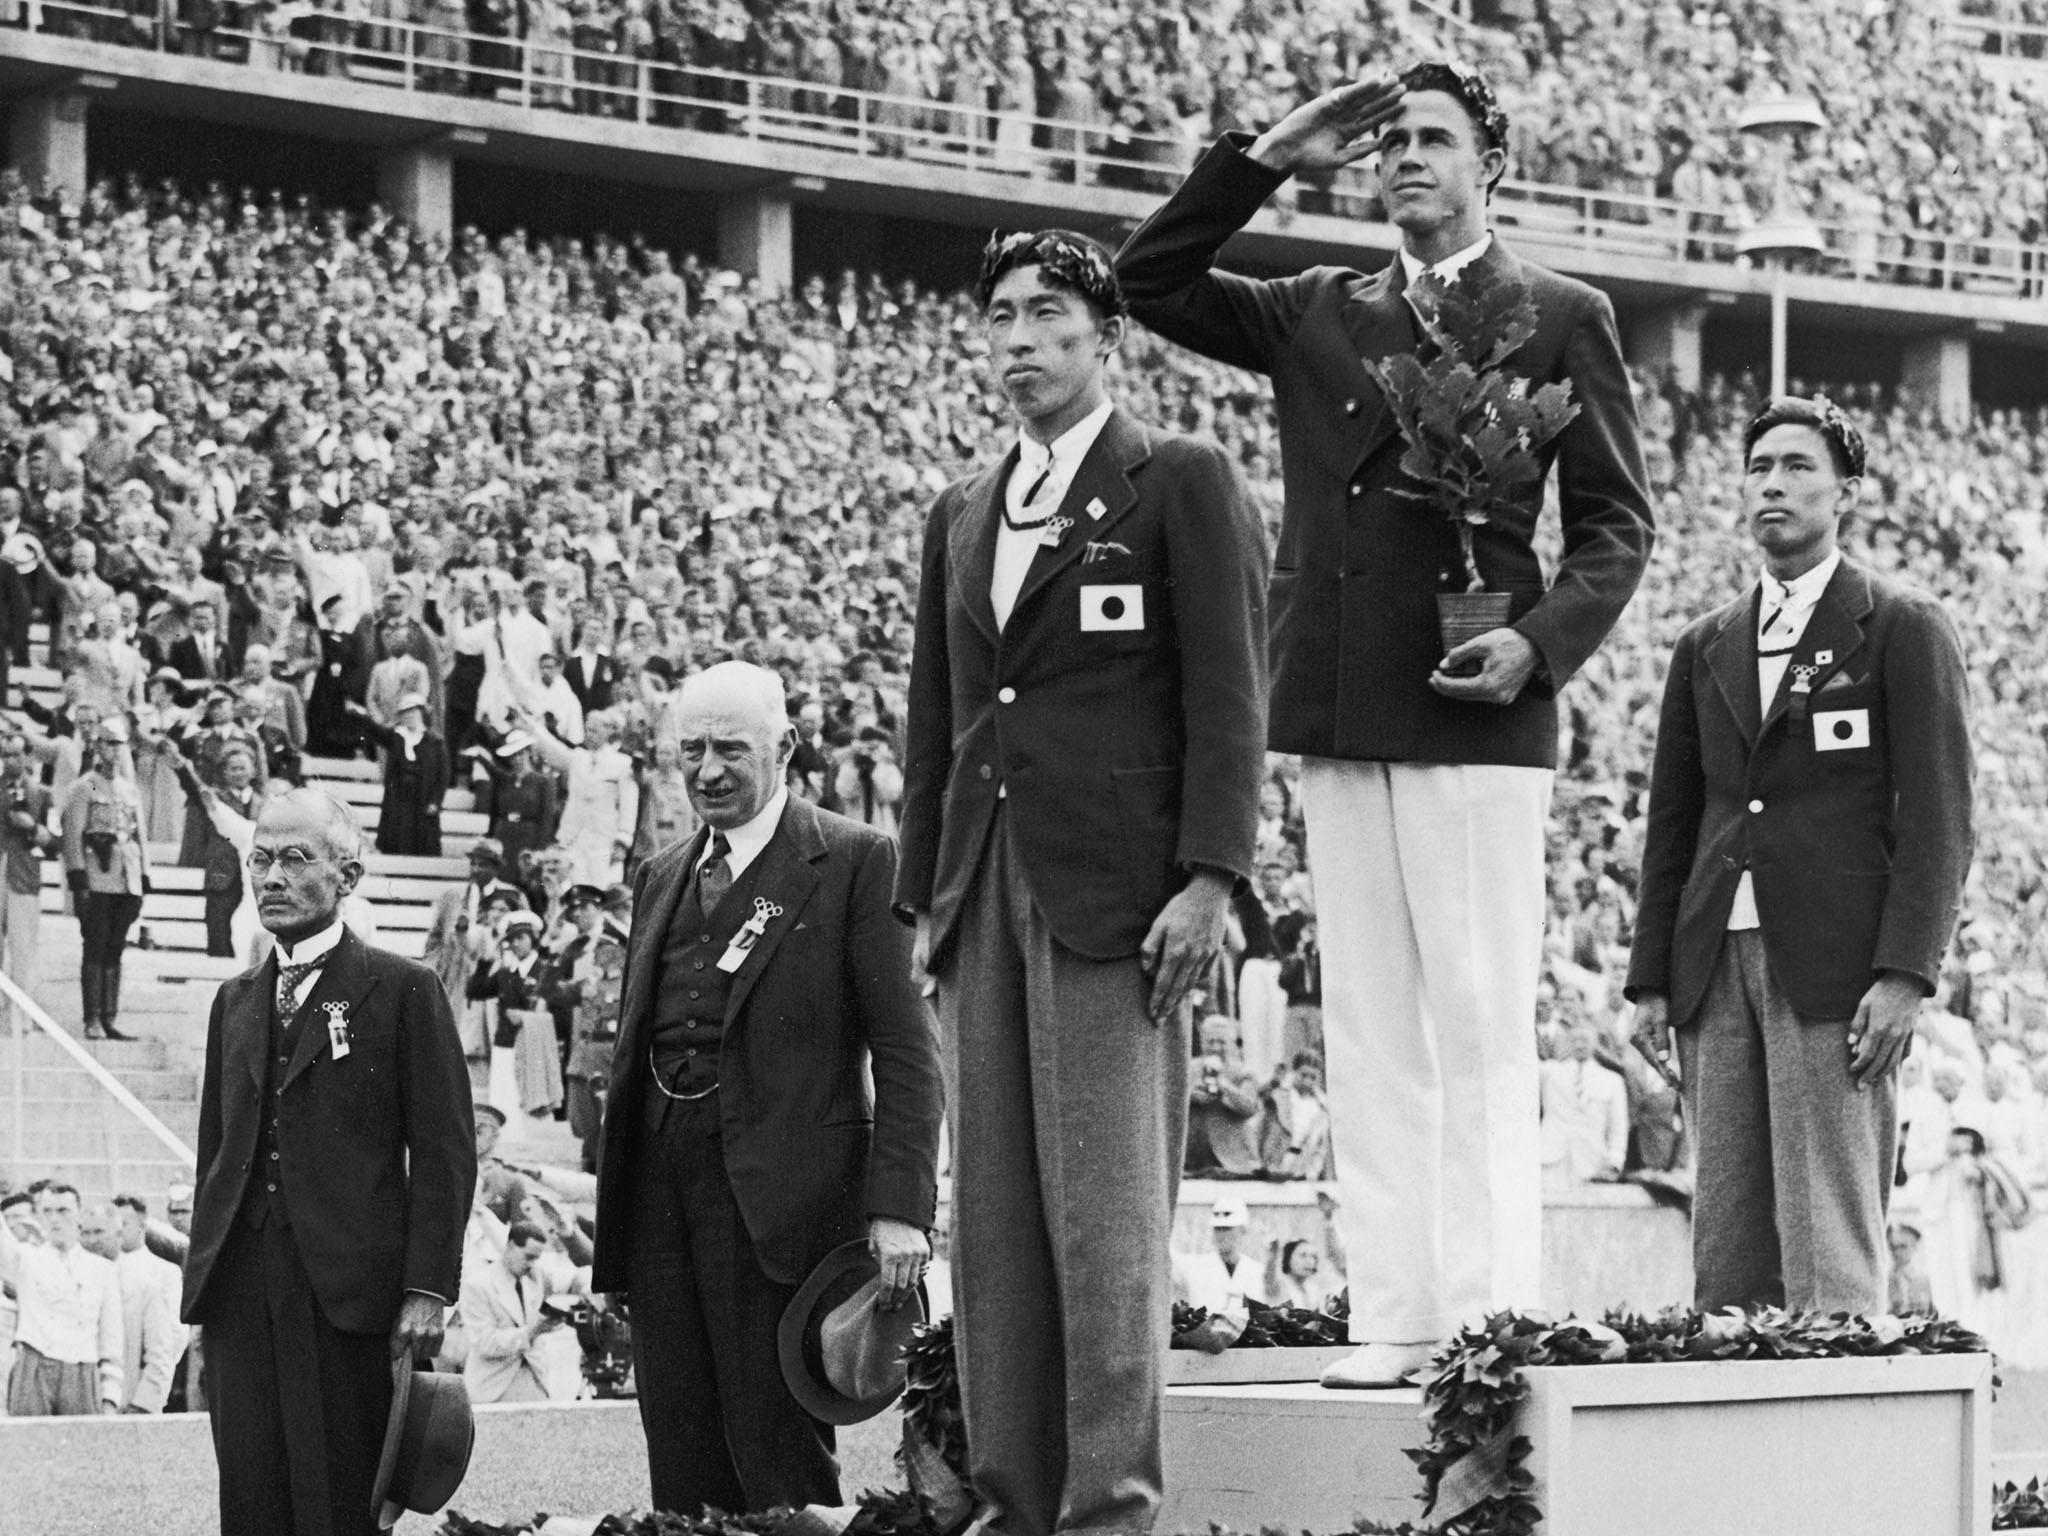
1350,407
1006,696
1755,806
1357,490
987,772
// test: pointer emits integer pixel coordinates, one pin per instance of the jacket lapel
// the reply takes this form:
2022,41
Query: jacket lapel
1380,324
1835,631
246,1018
1104,477
786,876
665,882
971,543
1731,654
345,980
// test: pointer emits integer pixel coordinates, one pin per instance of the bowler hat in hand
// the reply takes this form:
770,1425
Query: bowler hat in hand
842,1355
427,1441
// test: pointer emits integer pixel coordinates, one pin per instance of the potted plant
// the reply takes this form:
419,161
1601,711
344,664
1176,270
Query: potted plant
1475,430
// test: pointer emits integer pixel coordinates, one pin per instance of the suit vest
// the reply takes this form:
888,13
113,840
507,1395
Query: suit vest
263,1195
691,992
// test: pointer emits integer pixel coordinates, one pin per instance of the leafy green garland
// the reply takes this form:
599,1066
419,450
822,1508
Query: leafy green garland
1474,1478
1475,1481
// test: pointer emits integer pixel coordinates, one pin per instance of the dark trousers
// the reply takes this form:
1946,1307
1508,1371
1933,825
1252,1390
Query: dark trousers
298,1406
104,919
722,1429
220,915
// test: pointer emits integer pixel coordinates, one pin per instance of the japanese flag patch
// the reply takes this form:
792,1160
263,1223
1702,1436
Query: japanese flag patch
1840,730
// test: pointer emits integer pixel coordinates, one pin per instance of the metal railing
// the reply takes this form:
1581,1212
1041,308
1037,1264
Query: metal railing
26,1008
554,74
2020,42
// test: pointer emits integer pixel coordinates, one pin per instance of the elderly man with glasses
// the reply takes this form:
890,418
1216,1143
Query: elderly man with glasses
336,1166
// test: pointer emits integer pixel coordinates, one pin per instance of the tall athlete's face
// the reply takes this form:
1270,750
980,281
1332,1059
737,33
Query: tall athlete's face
1795,497
1047,345
1434,168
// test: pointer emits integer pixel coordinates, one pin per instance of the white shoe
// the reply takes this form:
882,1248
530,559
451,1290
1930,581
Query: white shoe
1379,1365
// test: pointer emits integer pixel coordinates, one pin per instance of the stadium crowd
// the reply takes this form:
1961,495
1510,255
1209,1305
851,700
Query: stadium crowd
284,482
1925,150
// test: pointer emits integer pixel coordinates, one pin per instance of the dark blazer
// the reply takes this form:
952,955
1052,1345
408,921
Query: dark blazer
1358,569
824,995
1129,755
184,655
1857,853
379,1148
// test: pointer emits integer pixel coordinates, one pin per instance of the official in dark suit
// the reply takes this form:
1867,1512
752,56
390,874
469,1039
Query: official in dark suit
766,982
1425,791
336,1166
202,655
1809,835
1087,708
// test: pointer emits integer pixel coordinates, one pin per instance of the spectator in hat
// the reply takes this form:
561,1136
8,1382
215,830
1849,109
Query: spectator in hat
594,995
207,748
106,865
1223,1279
396,674
499,1188
1223,1105
343,677
416,774
526,1071
524,802
161,718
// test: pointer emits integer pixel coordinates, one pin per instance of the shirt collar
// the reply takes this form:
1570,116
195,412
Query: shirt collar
747,840
1070,447
1804,590
1451,265
317,947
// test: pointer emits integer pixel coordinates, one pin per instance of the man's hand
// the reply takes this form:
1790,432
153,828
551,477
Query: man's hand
419,1327
1337,129
1507,660
1184,938
921,948
902,1251
1653,1034
1881,1034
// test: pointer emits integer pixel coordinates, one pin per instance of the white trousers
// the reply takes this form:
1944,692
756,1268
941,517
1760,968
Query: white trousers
1429,906
1262,1016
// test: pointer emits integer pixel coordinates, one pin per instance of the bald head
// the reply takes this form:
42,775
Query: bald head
736,741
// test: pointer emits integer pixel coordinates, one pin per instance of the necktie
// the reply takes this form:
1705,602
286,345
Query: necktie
714,877
1021,524
1767,643
288,979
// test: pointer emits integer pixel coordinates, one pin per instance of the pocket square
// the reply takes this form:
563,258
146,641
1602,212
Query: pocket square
1840,680
1101,549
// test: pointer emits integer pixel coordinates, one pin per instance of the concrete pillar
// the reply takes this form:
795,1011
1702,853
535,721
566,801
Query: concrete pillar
47,139
1669,339
757,236
1936,375
418,185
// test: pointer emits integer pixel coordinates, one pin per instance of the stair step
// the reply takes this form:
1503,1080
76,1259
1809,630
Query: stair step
172,1085
88,1144
117,1056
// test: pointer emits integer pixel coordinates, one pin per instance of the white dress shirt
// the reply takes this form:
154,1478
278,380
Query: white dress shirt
745,842
1780,622
310,948
69,1306
1450,266
1014,550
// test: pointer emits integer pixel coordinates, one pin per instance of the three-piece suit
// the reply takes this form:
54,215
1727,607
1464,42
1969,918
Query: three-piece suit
1848,800
1067,770
742,1140
1425,814
332,1181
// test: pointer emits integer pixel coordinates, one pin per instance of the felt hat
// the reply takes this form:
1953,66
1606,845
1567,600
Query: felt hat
483,1107
842,1355
578,895
1229,1212
487,848
24,552
514,921
114,728
516,743
427,1442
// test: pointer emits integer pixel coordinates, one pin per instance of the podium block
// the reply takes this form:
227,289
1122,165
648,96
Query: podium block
1822,1447
1876,1447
